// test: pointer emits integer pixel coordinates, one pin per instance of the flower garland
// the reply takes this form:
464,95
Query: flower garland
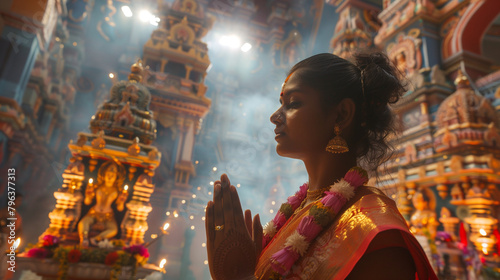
320,215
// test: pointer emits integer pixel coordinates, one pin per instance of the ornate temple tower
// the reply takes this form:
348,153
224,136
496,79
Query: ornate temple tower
356,27
121,133
445,167
177,61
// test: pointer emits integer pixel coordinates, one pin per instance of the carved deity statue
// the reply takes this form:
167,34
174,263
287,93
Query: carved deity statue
107,190
424,218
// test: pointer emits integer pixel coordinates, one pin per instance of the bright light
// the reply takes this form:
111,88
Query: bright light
194,196
126,187
202,218
154,21
273,202
162,263
231,41
483,232
154,236
91,181
16,243
205,262
246,47
211,183
238,185
214,168
168,213
203,245
127,11
145,15
271,211
111,75
485,251
176,215
209,193
192,227
191,217
183,201
485,245
166,226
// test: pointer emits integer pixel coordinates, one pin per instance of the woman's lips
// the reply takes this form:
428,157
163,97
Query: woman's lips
279,134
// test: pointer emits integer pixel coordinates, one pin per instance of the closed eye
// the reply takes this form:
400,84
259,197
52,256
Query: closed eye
293,105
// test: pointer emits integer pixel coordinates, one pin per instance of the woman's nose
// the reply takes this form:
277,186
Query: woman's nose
276,117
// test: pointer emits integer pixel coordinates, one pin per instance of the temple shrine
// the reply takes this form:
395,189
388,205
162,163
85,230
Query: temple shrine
118,116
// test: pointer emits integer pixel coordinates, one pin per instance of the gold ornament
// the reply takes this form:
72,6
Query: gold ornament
338,144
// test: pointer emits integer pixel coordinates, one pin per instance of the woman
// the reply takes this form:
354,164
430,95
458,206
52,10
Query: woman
334,115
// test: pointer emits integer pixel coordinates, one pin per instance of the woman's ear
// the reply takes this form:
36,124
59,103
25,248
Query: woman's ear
346,109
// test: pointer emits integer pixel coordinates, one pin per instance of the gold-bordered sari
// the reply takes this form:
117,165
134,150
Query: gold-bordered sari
335,252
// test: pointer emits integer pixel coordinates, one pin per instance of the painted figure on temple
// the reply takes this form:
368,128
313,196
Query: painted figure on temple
424,218
101,216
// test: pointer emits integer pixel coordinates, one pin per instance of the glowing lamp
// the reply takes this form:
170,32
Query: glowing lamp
246,47
162,263
127,11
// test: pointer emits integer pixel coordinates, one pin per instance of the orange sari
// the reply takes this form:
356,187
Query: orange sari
338,248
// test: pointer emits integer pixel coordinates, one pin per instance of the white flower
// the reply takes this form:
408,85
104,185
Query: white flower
297,242
104,244
270,229
344,188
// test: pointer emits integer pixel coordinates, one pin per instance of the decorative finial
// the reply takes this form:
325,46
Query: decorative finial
461,81
136,72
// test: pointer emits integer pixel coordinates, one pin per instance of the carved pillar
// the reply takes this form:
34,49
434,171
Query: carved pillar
134,224
481,221
68,200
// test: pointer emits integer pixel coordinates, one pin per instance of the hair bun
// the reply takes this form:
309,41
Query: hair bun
381,79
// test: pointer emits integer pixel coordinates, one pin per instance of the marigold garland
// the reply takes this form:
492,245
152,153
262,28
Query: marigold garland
320,216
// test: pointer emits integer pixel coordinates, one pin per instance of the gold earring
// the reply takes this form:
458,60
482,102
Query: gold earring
337,145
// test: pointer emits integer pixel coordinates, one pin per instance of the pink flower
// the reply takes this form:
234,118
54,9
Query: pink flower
279,220
356,176
308,228
38,253
137,249
333,201
283,260
302,191
295,201
50,240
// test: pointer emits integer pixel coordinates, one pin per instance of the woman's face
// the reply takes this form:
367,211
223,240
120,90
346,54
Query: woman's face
303,127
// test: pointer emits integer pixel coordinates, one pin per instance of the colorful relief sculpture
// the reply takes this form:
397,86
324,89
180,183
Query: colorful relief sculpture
107,191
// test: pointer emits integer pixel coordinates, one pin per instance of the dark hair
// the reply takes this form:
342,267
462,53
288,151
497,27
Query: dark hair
336,78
